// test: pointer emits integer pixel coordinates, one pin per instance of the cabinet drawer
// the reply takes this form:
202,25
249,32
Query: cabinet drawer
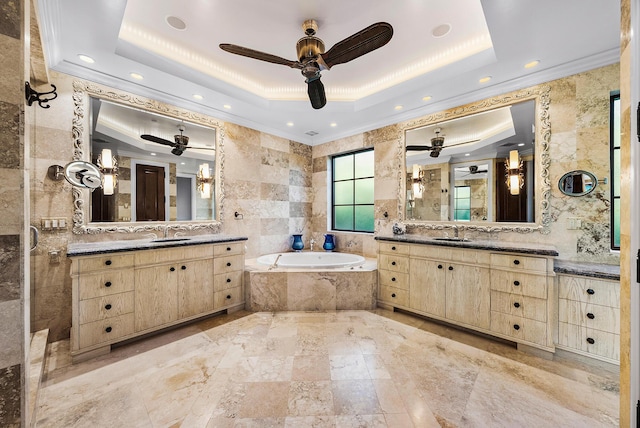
519,262
107,262
228,297
394,296
448,254
589,290
228,249
105,283
228,264
394,248
197,251
588,340
107,330
597,317
519,283
393,279
159,255
519,305
227,280
519,328
394,263
105,307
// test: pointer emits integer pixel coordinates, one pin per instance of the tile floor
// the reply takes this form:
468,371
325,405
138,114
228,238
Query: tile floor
333,369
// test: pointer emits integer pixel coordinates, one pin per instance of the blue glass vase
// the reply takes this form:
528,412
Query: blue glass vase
297,245
329,244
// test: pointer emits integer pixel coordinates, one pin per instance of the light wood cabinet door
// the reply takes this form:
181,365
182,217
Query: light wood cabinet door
156,296
427,286
195,288
468,295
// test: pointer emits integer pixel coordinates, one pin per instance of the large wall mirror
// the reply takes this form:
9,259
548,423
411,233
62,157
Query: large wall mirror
483,166
168,163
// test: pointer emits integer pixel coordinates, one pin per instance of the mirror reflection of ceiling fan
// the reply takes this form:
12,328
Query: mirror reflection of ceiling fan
312,59
437,145
471,170
180,143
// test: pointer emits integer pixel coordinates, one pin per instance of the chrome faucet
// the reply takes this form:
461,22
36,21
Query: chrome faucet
275,263
165,232
313,241
455,231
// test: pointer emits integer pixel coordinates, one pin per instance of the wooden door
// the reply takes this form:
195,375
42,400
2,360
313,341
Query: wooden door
156,301
427,286
195,287
468,296
150,196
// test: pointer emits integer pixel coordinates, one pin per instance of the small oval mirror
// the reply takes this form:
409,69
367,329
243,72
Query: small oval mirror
577,183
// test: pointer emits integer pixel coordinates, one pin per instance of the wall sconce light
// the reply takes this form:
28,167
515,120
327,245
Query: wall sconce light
204,180
109,168
515,176
416,179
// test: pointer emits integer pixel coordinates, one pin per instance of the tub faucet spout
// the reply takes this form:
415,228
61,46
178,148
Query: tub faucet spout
275,262
313,241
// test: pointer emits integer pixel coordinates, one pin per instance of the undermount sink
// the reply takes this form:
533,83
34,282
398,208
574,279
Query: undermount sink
170,239
452,239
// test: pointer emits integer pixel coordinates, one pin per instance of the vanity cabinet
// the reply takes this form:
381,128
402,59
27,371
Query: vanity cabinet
589,316
118,296
504,294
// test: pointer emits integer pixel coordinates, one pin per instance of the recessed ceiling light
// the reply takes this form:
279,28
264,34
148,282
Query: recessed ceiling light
227,106
152,154
136,76
426,98
86,59
289,123
441,30
333,124
198,97
175,22
532,64
183,163
467,154
398,107
520,144
485,79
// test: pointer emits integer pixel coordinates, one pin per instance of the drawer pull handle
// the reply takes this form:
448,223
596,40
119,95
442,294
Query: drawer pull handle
516,283
393,279
516,304
107,306
439,266
516,262
108,329
393,248
393,263
172,269
228,296
590,316
450,267
228,279
107,284
516,327
108,263
590,291
590,341
393,294
228,248
228,264
183,267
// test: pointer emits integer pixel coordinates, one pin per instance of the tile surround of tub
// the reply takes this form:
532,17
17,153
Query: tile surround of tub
345,368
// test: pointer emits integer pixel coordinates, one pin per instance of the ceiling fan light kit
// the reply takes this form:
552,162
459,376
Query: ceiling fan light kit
312,58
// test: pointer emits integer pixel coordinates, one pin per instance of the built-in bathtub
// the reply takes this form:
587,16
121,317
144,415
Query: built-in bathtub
311,281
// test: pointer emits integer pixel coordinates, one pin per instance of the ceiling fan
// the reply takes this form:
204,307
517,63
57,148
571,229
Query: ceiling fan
437,144
471,170
312,59
180,143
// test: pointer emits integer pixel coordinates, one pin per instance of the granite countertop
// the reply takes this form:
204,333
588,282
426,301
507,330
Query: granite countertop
593,270
93,248
477,244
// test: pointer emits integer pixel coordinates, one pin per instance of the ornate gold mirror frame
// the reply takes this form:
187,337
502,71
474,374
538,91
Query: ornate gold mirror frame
82,91
541,95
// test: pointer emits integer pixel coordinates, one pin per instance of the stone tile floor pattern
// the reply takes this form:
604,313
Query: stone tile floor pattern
328,369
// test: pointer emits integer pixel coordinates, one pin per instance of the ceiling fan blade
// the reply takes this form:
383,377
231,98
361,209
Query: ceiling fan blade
158,140
418,148
251,53
356,45
315,89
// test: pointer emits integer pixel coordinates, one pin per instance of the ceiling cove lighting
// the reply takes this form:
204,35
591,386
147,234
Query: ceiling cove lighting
86,58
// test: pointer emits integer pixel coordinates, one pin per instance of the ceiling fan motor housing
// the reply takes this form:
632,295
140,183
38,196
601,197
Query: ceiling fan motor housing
309,48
